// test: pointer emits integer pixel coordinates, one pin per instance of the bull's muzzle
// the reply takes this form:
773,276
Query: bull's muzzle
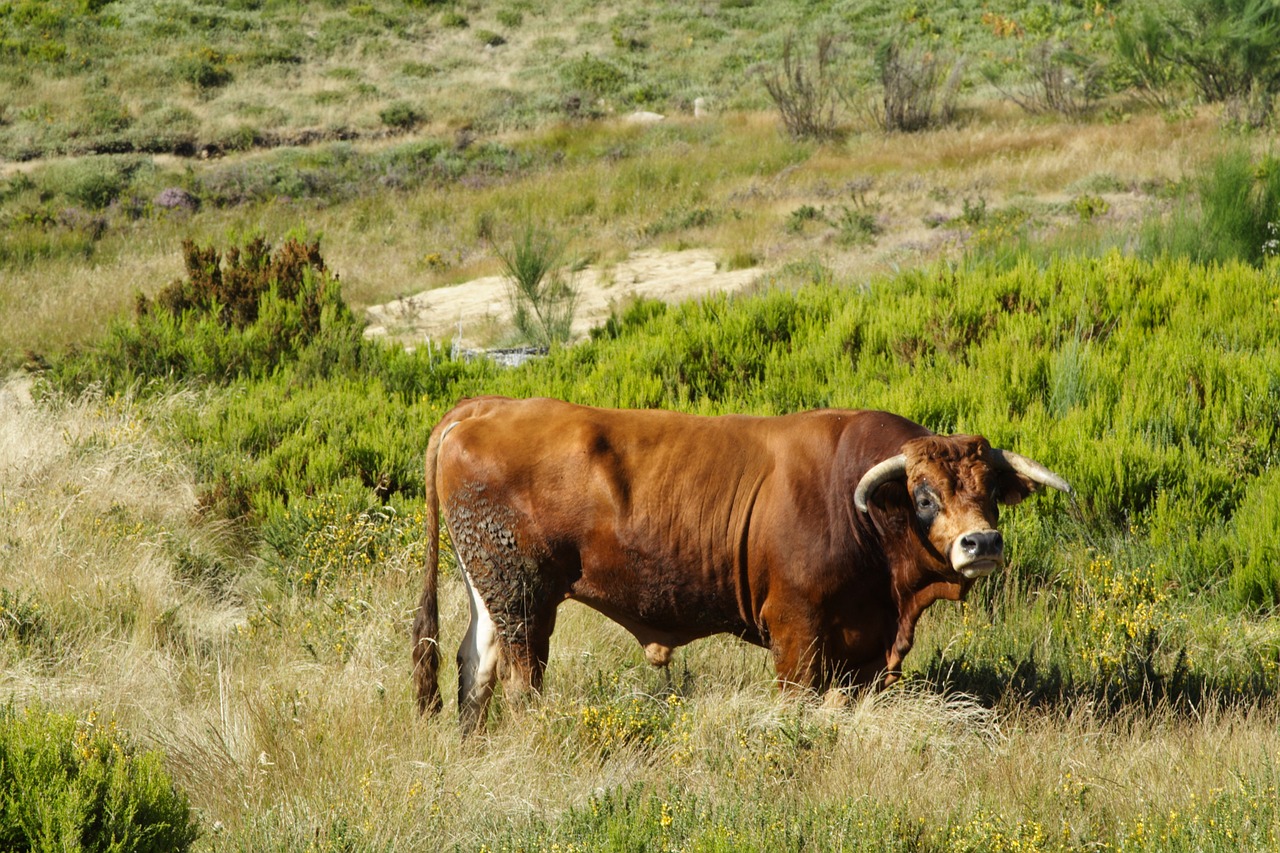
978,553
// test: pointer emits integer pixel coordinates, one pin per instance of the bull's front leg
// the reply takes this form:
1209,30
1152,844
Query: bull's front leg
799,660
908,615
893,658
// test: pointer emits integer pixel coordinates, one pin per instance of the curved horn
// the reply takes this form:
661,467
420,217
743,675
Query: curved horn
1030,469
893,468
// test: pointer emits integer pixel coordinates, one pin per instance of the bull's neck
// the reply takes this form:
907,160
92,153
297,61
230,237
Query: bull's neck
917,593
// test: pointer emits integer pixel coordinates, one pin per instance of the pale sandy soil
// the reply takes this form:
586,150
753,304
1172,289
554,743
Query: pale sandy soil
477,313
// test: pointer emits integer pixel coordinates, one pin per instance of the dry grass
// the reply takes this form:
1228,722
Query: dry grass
280,743
740,169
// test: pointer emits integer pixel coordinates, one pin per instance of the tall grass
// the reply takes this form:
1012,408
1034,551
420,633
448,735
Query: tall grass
284,741
266,656
1232,215
543,296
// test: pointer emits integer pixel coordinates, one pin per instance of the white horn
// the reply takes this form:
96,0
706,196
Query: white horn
1030,469
893,468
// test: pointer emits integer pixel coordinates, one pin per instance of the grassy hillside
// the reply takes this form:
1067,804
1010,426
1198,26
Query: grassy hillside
289,120
211,488
403,217
276,676
115,76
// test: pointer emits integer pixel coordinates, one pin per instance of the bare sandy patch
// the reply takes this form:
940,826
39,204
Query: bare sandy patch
478,312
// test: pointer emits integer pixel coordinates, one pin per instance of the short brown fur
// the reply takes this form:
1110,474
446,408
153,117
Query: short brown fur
679,526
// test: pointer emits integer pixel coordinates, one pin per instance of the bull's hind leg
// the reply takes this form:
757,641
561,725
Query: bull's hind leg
525,647
478,658
512,603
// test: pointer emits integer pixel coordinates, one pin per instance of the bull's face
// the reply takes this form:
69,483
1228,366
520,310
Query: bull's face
955,492
955,485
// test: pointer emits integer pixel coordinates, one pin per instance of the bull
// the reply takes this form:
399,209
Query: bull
821,536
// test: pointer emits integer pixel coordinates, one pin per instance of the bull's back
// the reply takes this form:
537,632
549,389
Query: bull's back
562,462
662,520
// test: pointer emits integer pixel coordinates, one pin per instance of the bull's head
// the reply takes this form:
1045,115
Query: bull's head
954,484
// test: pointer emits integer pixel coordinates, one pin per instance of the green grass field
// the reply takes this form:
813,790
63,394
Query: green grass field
204,606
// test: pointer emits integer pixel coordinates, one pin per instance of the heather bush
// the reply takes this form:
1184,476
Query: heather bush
919,85
68,784
242,315
806,94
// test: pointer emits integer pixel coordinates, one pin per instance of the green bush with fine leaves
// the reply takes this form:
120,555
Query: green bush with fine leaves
68,784
1152,386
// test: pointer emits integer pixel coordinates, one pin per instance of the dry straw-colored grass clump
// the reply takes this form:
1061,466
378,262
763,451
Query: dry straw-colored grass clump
279,741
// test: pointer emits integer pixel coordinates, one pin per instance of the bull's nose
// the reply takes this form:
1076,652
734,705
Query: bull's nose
977,553
982,544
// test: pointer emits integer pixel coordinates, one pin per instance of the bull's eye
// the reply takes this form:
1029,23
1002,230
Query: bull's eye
926,504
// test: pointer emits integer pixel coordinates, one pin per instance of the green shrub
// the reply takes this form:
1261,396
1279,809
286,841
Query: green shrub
455,19
543,297
401,116
636,316
233,292
243,317
83,785
1089,206
681,219
204,69
856,226
595,77
92,182
1236,214
974,212
351,424
1255,553
801,216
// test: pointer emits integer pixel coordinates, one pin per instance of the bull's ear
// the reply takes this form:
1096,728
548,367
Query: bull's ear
887,471
1020,476
1013,488
893,494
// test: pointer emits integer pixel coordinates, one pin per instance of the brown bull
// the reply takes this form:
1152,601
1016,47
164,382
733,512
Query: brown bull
820,536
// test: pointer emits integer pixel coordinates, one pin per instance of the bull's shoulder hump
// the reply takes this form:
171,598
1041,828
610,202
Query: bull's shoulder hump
885,423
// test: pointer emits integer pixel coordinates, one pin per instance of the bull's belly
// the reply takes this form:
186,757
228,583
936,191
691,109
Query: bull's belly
665,622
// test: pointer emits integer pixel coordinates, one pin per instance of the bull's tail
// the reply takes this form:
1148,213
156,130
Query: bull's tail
426,622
